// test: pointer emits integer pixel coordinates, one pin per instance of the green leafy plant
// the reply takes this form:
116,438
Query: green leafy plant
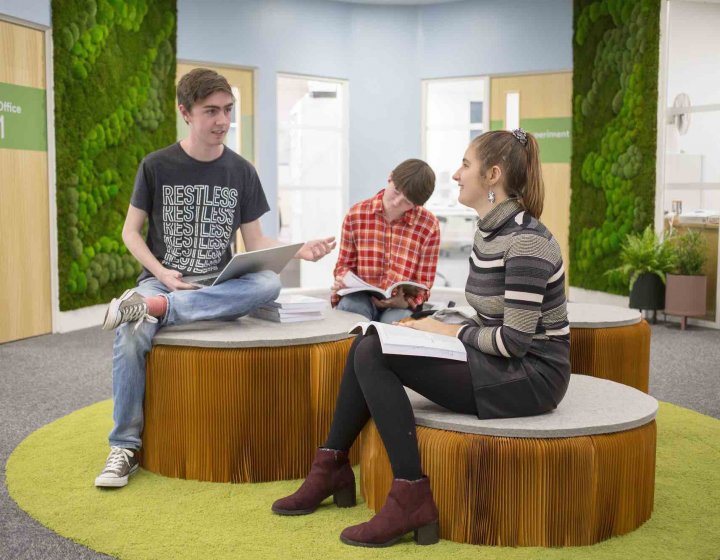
643,252
690,251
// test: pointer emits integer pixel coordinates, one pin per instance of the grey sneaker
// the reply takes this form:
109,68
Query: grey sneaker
120,464
128,307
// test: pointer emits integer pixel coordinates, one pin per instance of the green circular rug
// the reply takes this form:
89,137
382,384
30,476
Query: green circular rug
51,474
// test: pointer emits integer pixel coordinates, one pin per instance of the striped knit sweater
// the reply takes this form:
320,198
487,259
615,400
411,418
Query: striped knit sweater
516,284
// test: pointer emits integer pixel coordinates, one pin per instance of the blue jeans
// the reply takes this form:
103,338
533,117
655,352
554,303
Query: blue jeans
226,301
360,303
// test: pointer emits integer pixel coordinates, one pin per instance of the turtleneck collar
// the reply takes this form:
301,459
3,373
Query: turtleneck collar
498,216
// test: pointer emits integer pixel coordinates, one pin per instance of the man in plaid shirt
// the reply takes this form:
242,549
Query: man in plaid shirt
390,238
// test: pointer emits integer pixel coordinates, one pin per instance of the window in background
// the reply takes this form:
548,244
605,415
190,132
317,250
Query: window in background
690,196
512,110
312,165
455,111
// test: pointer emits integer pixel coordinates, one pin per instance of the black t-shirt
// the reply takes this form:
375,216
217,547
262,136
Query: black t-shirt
194,207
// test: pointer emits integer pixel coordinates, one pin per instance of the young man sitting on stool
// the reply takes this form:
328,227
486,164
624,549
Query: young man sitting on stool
194,194
390,238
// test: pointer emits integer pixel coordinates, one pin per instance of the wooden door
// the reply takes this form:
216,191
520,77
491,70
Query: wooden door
546,111
25,300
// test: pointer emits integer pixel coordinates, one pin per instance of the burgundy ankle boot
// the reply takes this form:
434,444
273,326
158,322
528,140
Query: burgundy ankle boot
408,507
330,474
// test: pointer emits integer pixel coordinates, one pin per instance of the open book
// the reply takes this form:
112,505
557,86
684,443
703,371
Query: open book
396,339
354,284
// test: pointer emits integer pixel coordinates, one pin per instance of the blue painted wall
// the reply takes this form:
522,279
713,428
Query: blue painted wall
34,11
490,37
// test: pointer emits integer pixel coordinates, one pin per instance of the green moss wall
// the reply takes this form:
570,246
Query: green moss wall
114,72
615,80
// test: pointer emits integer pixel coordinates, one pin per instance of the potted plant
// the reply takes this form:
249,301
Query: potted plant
686,292
645,259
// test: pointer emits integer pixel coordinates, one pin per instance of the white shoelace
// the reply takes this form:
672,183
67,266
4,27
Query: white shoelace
118,456
136,312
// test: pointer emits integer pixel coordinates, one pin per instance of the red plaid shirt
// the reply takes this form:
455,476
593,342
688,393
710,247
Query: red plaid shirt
383,253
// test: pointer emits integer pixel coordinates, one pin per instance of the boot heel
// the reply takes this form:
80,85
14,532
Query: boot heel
345,497
427,534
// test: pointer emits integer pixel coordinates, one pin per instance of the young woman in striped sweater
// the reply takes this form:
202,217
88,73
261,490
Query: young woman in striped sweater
518,347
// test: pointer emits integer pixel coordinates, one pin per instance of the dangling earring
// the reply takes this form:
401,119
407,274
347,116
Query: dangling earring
491,197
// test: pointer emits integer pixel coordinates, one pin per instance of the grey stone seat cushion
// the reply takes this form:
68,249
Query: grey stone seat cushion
249,332
591,406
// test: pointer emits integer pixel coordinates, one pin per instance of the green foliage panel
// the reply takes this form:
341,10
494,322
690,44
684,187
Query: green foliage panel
615,80
114,71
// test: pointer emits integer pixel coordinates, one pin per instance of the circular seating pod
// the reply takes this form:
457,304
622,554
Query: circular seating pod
610,342
575,476
243,401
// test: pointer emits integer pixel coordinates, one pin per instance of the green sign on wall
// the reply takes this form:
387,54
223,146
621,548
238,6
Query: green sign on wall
553,135
23,118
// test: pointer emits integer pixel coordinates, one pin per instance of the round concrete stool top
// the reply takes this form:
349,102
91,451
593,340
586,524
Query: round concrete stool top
249,332
600,316
591,406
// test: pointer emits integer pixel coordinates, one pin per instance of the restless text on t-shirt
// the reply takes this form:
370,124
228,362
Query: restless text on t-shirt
197,225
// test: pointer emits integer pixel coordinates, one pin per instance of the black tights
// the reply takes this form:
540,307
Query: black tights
372,385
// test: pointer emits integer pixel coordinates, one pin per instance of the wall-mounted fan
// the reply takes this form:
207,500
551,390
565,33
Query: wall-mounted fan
681,119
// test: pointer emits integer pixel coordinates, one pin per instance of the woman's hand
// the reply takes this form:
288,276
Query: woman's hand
428,324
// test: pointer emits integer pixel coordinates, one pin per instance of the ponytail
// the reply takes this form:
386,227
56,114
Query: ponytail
534,195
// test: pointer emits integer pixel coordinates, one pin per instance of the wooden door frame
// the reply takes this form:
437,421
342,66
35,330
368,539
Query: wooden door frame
51,177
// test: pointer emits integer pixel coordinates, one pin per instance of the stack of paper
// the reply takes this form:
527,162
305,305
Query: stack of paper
292,309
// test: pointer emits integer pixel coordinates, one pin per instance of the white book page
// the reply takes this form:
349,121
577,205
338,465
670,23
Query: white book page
396,339
354,284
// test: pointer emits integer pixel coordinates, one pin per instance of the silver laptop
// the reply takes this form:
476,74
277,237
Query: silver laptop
274,258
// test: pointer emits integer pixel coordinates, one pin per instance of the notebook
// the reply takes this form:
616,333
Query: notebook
274,258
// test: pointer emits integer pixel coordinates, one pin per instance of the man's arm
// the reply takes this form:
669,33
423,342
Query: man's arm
254,240
347,260
132,236
427,267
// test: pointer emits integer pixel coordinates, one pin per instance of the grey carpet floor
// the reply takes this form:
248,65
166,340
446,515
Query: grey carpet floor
47,377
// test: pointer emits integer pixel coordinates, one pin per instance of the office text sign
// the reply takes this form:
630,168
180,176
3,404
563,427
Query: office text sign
23,121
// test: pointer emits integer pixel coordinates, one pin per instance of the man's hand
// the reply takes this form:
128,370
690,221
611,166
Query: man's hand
397,301
428,324
338,284
173,280
316,249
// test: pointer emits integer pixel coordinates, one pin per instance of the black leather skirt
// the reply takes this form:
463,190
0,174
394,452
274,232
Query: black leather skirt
527,386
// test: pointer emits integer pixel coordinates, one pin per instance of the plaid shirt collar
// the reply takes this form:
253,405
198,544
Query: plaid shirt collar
410,217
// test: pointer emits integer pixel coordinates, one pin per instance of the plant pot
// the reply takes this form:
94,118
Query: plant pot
648,292
686,296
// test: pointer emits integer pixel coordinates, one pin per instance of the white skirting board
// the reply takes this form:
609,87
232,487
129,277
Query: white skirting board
66,321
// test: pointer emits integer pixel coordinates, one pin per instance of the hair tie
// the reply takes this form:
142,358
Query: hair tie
521,135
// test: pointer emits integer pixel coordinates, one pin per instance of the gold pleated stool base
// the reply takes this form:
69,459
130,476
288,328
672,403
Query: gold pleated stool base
527,492
240,414
620,354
